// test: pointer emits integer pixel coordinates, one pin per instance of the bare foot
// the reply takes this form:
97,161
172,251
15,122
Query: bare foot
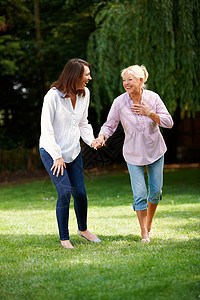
66,244
89,236
145,240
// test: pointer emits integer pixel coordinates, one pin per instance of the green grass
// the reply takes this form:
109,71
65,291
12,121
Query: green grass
35,266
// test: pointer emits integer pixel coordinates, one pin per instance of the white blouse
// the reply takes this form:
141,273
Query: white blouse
62,126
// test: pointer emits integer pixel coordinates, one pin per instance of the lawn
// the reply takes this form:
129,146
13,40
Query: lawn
33,265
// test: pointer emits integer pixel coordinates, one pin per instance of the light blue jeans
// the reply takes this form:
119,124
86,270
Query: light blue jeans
138,184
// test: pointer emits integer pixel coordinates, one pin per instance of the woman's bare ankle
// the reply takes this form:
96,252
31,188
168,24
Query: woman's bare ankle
66,244
89,235
144,234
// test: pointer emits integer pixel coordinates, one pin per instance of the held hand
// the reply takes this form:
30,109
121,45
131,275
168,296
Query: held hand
98,142
95,144
58,166
140,109
101,140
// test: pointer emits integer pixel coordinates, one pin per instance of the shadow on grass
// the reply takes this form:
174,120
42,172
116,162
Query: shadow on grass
121,267
38,243
46,241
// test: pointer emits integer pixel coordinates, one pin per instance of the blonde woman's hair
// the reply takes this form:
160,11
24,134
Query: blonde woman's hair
138,72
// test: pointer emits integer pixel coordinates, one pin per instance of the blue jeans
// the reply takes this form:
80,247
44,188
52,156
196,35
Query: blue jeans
71,183
138,184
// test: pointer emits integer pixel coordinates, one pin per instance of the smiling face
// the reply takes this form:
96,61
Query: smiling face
85,78
131,84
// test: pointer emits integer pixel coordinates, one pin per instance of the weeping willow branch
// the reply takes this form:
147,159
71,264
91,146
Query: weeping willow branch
162,35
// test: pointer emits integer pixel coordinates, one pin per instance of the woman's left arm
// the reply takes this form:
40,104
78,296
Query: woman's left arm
166,120
160,114
145,110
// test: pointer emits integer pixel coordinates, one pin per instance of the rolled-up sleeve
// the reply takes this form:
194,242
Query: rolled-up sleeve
166,120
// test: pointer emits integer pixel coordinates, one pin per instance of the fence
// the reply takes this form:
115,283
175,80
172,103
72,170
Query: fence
187,150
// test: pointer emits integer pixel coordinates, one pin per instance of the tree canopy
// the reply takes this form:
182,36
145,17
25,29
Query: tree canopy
37,38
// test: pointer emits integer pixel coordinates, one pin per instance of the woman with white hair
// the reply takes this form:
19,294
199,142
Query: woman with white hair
140,112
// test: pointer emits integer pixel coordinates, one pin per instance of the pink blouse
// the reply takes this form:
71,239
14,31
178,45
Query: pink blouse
144,143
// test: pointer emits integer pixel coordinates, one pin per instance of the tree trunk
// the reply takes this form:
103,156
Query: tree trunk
42,75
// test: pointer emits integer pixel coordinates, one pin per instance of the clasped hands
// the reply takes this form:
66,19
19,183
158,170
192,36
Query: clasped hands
98,142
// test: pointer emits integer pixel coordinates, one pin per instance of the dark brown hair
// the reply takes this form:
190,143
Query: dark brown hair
71,74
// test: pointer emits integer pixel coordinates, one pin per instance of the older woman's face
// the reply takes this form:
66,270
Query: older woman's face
85,78
130,83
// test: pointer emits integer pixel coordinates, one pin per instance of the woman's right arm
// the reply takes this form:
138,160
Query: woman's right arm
47,133
111,123
47,130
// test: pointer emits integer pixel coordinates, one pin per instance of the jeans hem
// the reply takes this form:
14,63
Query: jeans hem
140,207
155,201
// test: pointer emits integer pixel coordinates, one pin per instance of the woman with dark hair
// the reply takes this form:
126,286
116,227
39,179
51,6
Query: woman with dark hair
63,122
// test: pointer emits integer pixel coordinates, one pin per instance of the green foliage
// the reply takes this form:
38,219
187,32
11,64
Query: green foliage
10,51
162,35
187,54
30,64
10,47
